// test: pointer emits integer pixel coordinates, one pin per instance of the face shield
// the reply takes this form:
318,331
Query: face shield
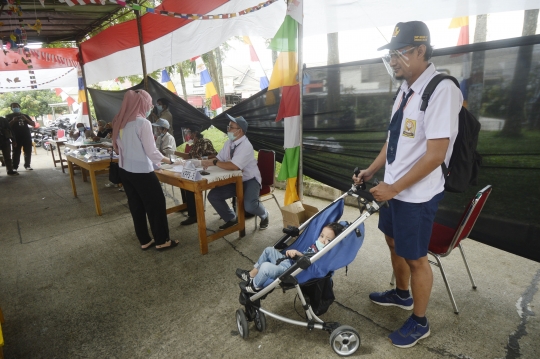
397,60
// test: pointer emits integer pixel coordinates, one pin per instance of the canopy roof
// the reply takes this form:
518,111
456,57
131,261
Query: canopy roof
59,21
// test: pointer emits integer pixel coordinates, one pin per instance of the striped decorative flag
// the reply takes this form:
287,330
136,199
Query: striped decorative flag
165,79
285,76
64,96
82,93
211,93
256,65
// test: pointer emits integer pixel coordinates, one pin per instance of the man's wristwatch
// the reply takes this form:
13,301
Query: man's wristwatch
215,161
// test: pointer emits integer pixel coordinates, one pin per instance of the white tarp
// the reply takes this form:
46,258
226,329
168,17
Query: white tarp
328,16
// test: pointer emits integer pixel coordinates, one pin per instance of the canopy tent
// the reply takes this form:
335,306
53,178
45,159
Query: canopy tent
48,69
58,21
167,40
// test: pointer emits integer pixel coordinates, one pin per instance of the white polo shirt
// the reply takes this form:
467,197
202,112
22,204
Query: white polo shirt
243,158
440,120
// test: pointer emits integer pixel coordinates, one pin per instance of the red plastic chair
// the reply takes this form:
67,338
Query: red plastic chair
444,239
267,166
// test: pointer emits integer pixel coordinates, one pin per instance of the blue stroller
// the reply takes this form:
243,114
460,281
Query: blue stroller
315,272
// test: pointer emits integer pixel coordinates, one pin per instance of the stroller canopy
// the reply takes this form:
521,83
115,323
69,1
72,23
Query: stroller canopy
339,256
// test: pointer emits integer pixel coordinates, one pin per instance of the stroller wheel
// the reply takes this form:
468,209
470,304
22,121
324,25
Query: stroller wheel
345,340
242,324
260,321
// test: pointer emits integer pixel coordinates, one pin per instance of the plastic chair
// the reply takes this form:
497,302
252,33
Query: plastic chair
444,239
267,166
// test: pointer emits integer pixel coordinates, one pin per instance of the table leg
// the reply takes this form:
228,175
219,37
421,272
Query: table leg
53,159
201,221
61,159
71,177
93,182
84,175
240,206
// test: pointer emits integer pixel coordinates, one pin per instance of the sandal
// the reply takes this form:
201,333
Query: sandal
150,245
173,244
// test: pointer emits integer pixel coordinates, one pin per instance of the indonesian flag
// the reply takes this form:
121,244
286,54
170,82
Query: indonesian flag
115,51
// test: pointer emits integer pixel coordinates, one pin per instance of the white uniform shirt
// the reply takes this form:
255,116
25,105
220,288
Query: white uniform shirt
165,142
243,158
136,147
440,120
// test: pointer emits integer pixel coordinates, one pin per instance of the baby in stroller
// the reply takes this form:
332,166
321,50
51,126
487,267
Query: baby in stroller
272,263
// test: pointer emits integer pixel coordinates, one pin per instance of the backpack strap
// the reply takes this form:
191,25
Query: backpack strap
432,85
428,91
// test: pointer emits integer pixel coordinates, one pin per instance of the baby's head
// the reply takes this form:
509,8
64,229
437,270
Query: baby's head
329,232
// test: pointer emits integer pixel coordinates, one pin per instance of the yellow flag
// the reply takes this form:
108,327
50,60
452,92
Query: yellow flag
210,90
291,195
285,71
458,22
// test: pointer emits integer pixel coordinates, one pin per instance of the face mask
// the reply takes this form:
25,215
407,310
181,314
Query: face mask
160,108
319,245
16,110
231,136
148,112
80,129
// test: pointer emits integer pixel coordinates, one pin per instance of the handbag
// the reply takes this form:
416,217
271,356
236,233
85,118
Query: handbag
114,172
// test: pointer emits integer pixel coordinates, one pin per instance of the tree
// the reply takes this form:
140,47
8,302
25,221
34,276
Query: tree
34,103
333,80
518,90
476,80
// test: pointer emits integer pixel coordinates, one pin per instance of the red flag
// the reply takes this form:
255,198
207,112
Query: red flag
290,102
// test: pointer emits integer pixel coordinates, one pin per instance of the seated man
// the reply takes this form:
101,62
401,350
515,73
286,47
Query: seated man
272,263
165,142
238,154
201,147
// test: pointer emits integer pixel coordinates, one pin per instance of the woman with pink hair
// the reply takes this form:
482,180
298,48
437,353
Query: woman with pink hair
133,140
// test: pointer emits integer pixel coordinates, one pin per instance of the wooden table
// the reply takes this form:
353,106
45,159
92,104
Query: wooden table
93,167
198,187
59,143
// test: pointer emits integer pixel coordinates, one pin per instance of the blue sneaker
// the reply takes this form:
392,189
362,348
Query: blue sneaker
390,298
409,334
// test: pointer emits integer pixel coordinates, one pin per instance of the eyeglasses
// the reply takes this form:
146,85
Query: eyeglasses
397,54
232,128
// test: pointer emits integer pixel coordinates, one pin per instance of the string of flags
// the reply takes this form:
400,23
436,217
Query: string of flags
36,84
171,13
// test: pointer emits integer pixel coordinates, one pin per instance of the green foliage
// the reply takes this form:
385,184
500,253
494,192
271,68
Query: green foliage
33,103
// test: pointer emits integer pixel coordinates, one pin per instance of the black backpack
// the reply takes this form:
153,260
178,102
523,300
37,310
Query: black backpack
465,161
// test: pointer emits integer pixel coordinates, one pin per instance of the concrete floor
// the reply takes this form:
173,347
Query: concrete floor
75,285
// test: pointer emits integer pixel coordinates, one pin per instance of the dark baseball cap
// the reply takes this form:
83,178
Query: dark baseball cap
413,33
240,121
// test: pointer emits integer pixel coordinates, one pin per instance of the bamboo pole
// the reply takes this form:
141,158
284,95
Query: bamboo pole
141,47
300,181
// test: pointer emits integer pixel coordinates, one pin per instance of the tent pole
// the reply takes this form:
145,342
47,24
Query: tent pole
81,64
300,181
141,46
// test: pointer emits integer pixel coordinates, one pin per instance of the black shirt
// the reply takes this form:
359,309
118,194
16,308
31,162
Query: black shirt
19,128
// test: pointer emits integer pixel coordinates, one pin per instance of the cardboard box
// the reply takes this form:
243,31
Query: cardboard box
297,213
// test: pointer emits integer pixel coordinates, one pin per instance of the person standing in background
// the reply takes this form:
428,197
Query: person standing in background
164,113
19,123
6,140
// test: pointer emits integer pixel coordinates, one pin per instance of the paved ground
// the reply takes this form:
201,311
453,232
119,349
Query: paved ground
75,285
